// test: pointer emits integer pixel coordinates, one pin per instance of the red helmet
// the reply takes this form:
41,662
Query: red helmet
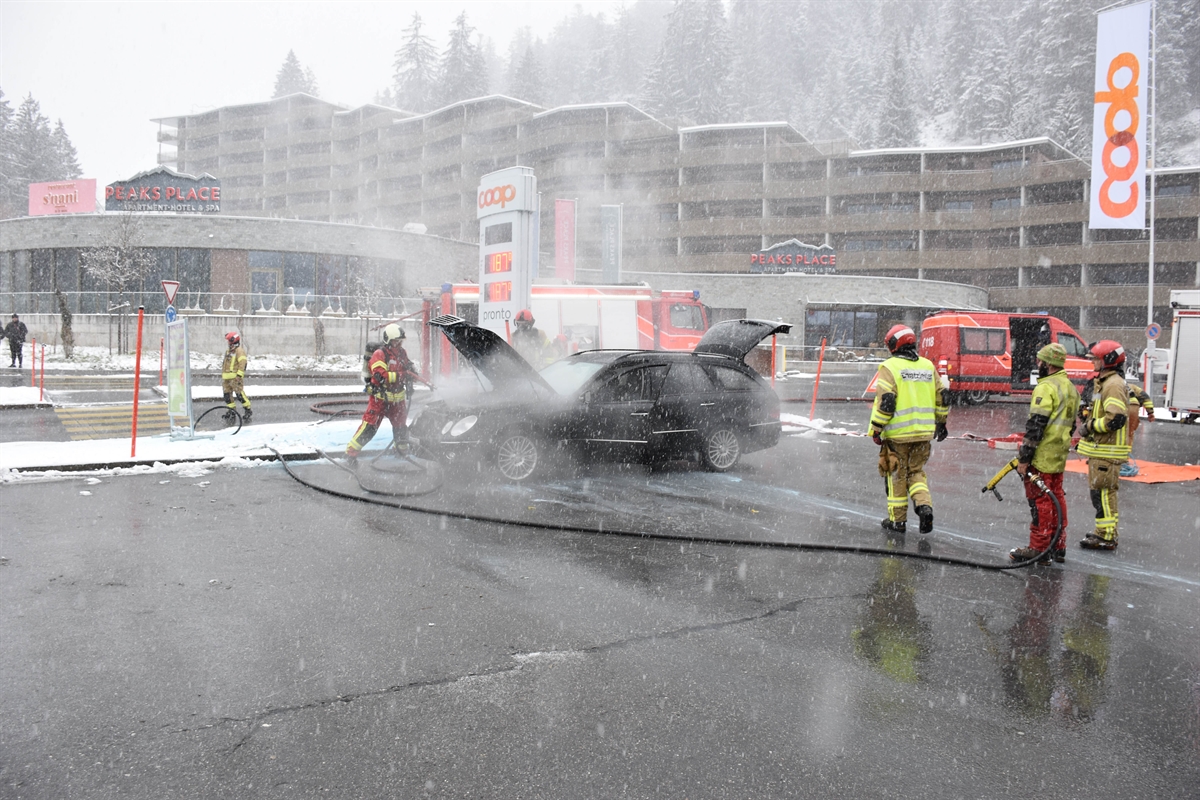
525,315
233,338
1109,352
899,336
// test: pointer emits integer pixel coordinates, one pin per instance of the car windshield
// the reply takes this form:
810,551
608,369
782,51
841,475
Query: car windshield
569,374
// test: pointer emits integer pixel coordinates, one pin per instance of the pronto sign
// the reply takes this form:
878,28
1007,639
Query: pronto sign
62,197
1119,119
795,256
164,189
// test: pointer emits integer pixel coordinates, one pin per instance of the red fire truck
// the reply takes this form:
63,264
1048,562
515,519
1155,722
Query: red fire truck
633,317
988,352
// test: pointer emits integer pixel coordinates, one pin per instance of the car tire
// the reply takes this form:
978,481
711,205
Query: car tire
722,450
519,455
975,397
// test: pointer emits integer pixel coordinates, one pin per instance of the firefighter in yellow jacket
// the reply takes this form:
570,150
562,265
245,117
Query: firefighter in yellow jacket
1105,440
910,411
233,374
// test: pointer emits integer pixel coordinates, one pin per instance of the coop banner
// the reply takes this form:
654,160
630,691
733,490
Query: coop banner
164,189
795,256
1119,118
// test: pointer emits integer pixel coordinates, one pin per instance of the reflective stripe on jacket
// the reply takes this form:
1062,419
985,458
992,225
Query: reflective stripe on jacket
1056,398
389,376
234,365
919,400
1110,398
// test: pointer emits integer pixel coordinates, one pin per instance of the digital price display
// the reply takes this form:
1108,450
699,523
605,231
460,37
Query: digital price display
500,291
498,262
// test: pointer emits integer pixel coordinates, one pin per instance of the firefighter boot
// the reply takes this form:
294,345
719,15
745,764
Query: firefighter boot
1094,542
893,527
1027,553
926,515
246,412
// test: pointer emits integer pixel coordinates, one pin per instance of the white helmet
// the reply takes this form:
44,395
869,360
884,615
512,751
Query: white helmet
392,333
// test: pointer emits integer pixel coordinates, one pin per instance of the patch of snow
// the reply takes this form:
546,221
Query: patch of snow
797,424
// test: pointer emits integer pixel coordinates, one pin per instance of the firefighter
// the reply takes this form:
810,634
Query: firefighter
531,342
1105,440
233,374
1044,450
1138,400
909,411
391,378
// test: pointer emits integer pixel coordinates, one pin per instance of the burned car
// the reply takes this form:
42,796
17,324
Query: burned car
630,406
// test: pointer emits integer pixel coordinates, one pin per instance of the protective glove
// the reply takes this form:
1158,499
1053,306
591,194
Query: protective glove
940,432
877,438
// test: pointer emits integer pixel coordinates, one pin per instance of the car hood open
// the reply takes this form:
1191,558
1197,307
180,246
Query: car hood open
488,353
737,337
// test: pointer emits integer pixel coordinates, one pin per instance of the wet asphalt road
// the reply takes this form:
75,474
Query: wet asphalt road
232,633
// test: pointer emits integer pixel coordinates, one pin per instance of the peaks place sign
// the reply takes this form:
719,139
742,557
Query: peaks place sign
795,256
164,189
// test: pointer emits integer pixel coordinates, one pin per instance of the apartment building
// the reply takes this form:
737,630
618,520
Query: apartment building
1011,217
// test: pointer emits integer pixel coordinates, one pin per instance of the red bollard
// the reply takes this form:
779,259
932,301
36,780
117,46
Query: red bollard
817,385
137,382
42,390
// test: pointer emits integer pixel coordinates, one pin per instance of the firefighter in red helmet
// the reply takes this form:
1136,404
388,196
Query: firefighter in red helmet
530,342
391,377
909,411
1105,440
233,375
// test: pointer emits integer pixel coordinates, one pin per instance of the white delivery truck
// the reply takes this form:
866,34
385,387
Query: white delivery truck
1183,365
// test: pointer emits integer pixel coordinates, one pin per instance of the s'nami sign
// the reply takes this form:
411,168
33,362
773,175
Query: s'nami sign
164,189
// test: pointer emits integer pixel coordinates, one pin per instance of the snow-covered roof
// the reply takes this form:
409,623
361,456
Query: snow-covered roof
730,126
174,121
596,106
471,101
973,148
1176,170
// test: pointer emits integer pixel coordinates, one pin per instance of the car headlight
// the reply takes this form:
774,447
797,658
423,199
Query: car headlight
446,428
414,415
463,425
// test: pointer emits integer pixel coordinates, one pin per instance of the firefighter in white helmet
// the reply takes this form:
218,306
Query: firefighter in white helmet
391,376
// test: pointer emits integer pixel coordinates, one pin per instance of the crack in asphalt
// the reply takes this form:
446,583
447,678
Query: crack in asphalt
255,721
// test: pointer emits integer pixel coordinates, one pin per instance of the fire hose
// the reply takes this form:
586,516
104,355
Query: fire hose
1040,485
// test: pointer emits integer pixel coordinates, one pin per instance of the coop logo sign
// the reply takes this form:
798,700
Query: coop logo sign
1118,137
164,189
499,195
795,256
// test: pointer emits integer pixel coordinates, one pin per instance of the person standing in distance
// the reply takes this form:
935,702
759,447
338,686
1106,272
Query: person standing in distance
910,410
16,332
1044,450
532,343
1105,440
233,376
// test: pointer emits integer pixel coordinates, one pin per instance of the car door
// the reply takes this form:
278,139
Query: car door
687,395
615,417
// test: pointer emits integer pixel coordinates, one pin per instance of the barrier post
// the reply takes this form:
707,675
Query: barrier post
137,382
42,390
812,413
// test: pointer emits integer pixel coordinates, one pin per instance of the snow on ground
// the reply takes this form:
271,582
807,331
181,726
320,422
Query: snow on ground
100,359
798,425
48,460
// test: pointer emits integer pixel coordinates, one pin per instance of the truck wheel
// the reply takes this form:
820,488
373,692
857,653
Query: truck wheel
721,450
975,397
518,456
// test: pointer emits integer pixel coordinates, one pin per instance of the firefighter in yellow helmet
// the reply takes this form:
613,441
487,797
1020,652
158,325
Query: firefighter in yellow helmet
391,376
233,374
910,410
1105,440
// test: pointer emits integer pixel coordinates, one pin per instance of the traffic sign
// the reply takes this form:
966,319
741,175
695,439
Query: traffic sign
170,313
1153,330
169,289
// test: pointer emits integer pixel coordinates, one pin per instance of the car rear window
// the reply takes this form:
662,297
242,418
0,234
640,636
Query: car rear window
567,375
983,341
732,380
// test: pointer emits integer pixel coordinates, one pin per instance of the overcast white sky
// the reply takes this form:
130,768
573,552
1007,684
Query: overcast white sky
107,68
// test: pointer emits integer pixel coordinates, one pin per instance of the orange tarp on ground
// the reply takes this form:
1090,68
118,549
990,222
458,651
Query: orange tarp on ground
1149,471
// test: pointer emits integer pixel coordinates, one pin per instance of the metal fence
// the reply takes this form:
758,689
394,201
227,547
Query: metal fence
216,303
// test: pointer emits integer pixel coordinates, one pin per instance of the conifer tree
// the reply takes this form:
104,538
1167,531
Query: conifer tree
294,79
65,153
689,79
462,74
898,123
529,83
416,66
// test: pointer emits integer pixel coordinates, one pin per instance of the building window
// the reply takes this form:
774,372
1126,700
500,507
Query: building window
959,205
1001,203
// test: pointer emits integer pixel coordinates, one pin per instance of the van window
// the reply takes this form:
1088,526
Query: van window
1073,345
983,341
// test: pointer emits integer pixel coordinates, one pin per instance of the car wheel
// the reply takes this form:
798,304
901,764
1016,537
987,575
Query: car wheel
976,397
721,450
518,456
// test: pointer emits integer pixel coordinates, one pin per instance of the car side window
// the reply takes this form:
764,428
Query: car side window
1073,345
686,378
642,383
732,380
